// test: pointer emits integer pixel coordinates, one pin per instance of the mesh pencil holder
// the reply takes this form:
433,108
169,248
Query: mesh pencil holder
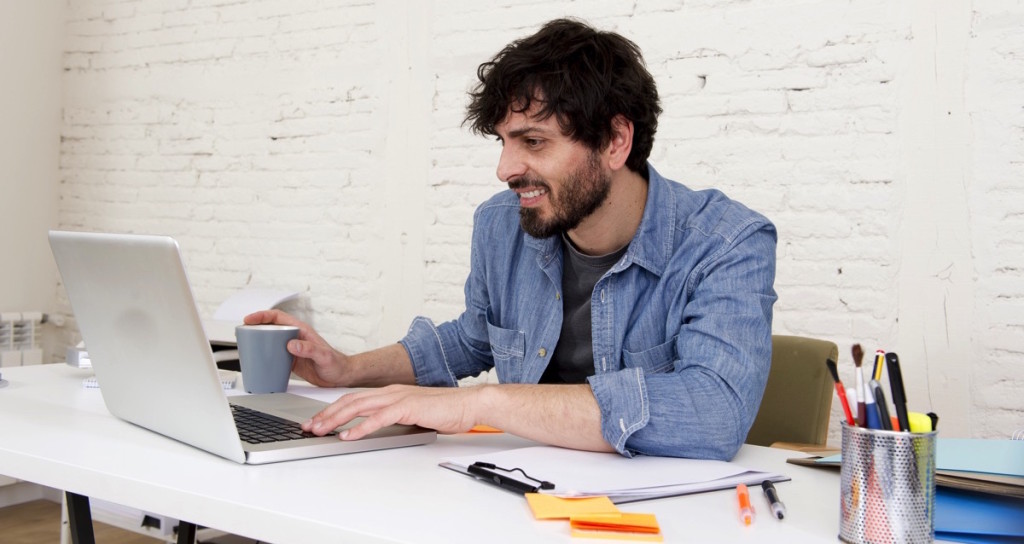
887,486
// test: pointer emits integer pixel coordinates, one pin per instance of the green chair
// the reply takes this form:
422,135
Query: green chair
797,401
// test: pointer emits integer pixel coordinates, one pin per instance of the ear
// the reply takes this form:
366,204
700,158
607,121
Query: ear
621,143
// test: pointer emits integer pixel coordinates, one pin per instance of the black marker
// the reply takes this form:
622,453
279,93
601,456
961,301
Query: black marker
777,507
899,395
484,471
881,405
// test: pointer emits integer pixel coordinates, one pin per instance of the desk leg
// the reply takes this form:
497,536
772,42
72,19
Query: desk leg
186,532
80,518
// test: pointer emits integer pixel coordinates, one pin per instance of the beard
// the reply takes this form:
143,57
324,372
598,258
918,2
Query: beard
579,195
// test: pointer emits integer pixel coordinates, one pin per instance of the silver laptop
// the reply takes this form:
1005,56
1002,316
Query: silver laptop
135,310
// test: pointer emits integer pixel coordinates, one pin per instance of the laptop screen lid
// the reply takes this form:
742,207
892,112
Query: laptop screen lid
154,364
136,312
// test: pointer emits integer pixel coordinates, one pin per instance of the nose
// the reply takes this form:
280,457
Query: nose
510,166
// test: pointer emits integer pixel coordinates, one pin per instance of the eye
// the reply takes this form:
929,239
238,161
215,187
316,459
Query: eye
534,142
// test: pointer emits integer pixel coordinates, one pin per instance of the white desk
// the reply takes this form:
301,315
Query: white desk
56,433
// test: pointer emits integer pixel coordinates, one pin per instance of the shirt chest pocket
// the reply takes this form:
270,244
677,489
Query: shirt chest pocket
652,360
507,349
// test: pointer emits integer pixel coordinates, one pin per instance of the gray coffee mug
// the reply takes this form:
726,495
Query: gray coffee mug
264,358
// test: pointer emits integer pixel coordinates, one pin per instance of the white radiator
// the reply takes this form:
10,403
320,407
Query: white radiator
19,338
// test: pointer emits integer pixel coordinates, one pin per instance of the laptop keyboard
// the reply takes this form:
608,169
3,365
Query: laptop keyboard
259,428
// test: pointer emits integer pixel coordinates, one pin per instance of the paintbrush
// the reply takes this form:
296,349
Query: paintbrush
872,415
862,410
841,391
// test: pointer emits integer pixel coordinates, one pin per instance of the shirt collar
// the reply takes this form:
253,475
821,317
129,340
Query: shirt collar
653,241
651,246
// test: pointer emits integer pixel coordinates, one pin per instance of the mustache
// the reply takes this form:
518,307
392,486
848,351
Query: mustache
526,183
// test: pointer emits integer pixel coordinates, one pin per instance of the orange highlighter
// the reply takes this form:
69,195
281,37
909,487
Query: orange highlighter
746,512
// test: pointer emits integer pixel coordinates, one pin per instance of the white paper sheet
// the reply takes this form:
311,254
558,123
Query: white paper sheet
581,473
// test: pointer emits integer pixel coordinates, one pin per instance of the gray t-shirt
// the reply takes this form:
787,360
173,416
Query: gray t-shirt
573,359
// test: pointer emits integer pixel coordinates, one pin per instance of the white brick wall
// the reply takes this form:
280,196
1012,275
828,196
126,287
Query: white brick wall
317,146
994,204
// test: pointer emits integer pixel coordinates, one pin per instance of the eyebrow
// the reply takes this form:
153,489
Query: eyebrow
524,131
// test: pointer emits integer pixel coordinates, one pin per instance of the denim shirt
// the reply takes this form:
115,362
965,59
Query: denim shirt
681,324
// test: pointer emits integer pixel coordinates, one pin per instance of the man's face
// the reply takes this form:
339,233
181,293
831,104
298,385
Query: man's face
560,182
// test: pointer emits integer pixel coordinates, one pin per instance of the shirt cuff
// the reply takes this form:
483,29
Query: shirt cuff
424,345
622,398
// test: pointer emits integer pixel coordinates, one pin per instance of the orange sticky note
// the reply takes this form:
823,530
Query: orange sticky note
636,523
626,526
551,507
484,429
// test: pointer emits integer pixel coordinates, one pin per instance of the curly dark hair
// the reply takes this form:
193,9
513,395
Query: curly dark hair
583,76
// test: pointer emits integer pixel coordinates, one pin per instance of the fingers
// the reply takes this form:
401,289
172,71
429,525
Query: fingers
316,365
310,344
368,426
309,349
277,317
272,317
322,355
371,423
378,406
343,410
443,409
259,318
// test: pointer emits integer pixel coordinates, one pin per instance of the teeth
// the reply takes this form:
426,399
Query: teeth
532,194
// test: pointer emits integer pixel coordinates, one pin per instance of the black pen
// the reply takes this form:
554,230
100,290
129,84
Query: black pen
881,405
777,507
483,471
899,394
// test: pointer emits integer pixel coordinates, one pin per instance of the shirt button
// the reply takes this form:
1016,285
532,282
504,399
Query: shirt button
558,296
602,295
542,352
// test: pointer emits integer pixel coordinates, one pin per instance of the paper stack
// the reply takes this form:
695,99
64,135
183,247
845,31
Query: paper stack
589,474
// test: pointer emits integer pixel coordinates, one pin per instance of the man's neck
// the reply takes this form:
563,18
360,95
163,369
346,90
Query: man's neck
614,223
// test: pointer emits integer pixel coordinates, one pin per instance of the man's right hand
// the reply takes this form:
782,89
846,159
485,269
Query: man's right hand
315,360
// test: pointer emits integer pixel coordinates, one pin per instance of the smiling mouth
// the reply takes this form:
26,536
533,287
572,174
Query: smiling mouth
534,193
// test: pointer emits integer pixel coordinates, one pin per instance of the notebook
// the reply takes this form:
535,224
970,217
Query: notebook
152,360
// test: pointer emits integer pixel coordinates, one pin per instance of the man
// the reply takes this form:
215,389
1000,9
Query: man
622,311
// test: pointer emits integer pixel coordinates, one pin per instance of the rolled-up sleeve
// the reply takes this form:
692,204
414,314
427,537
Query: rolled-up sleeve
622,397
443,354
426,350
704,404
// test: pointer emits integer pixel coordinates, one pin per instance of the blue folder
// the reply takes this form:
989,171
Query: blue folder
969,516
